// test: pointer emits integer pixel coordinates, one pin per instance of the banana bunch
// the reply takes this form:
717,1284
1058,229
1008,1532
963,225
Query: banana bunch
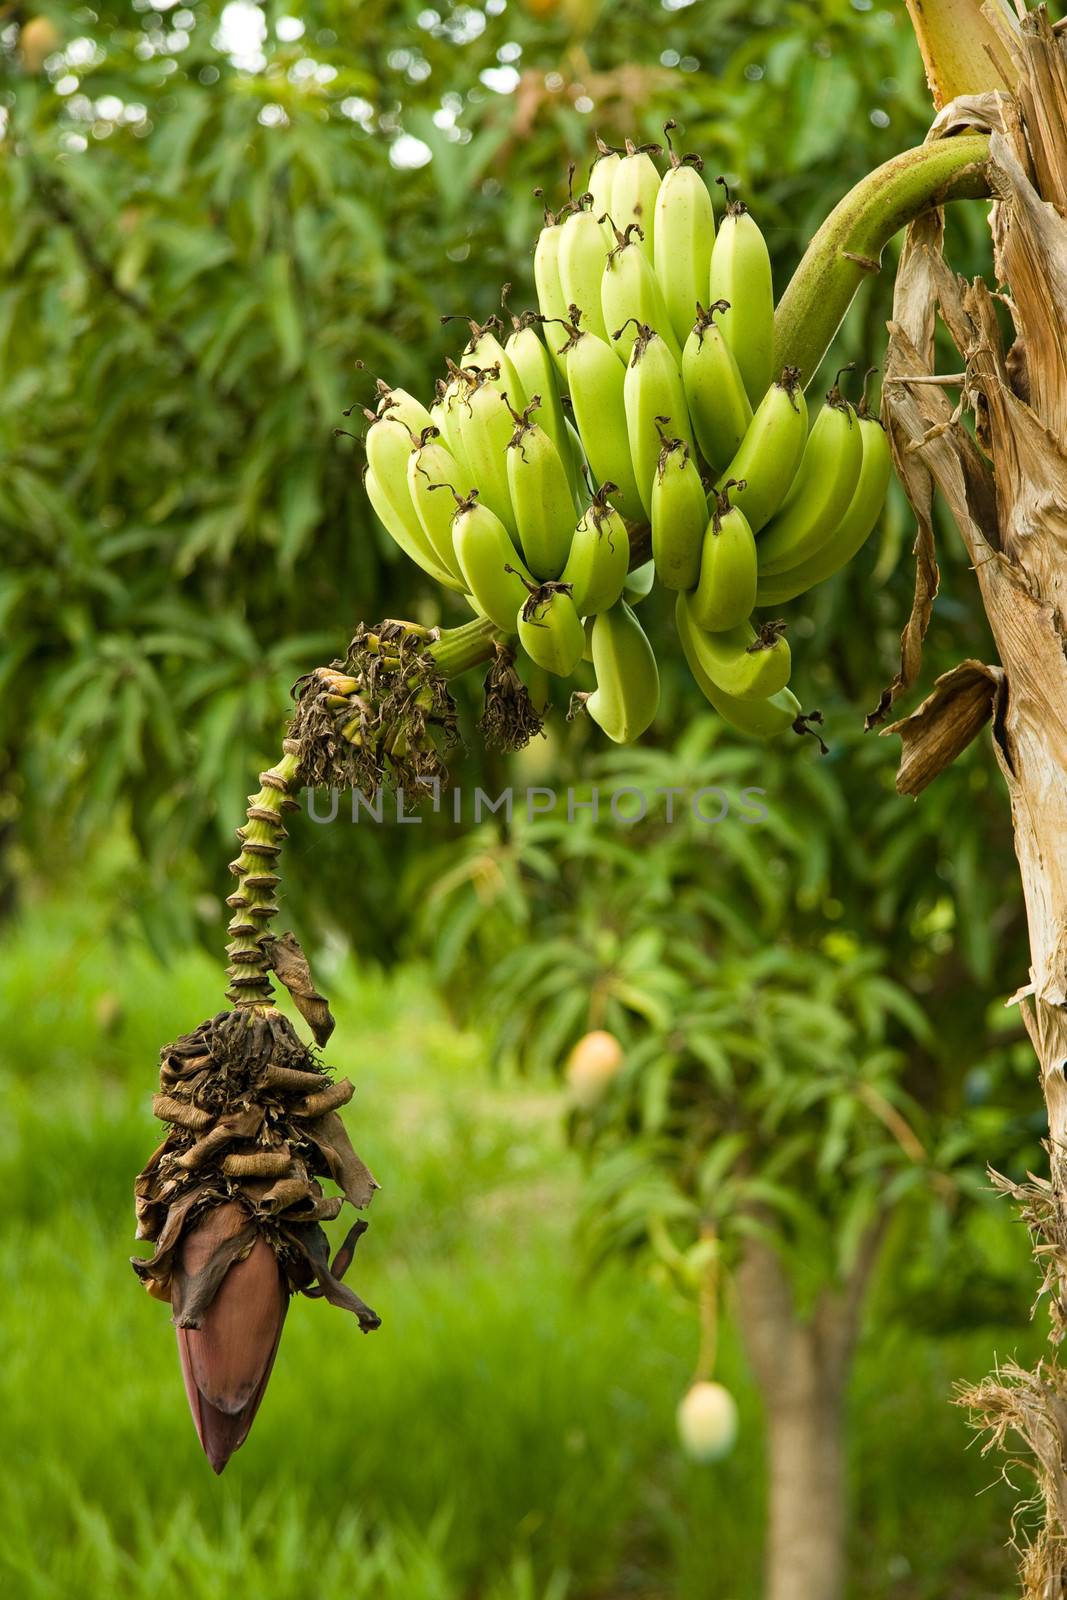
636,411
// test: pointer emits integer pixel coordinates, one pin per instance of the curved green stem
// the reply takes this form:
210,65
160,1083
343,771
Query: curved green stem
850,242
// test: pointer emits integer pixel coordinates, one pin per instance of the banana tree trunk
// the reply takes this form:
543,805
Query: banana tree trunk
1005,481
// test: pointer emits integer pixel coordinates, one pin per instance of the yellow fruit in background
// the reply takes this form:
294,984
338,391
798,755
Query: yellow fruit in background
707,1421
38,39
591,1066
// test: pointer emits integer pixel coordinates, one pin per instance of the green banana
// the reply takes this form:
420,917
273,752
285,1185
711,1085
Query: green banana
484,353
536,371
714,389
768,456
741,274
484,425
430,468
444,413
394,510
402,407
854,528
761,719
821,491
583,253
540,496
626,698
630,293
741,662
599,556
653,397
682,238
600,185
493,573
726,591
596,382
638,585
679,516
550,629
634,189
550,296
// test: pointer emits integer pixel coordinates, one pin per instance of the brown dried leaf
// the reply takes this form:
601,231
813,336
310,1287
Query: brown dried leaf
959,707
290,965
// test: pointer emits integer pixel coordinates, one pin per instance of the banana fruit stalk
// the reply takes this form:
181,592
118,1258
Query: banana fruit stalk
682,238
599,556
741,275
540,496
654,399
769,454
626,698
820,492
714,389
679,516
550,629
727,587
494,575
855,527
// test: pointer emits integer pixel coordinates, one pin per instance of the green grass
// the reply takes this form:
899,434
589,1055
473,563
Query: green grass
507,1435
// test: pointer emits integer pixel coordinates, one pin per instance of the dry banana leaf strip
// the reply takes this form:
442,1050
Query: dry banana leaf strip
953,715
253,1119
313,1248
290,964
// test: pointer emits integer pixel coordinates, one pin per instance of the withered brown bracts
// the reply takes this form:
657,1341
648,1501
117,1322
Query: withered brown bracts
232,1201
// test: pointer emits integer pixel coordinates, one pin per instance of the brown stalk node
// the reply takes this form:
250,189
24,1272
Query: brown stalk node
509,719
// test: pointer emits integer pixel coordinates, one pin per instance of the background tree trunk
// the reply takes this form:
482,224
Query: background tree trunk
802,1366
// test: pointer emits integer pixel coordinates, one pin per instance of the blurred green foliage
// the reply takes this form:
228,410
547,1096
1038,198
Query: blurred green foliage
508,1434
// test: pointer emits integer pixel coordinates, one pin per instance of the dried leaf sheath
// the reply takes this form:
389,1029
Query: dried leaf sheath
233,1203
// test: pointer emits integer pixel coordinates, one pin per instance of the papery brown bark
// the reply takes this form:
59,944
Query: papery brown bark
1006,485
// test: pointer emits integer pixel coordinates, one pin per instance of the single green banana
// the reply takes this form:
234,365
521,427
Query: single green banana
550,629
741,275
770,453
630,294
492,572
679,516
638,585
596,382
599,556
600,185
399,520
726,591
540,495
741,662
821,491
536,371
626,698
485,354
431,469
654,398
550,296
444,415
714,389
583,254
761,719
852,532
484,425
634,189
682,238
402,407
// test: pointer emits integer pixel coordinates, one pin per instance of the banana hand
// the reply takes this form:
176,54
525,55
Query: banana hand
740,662
820,493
